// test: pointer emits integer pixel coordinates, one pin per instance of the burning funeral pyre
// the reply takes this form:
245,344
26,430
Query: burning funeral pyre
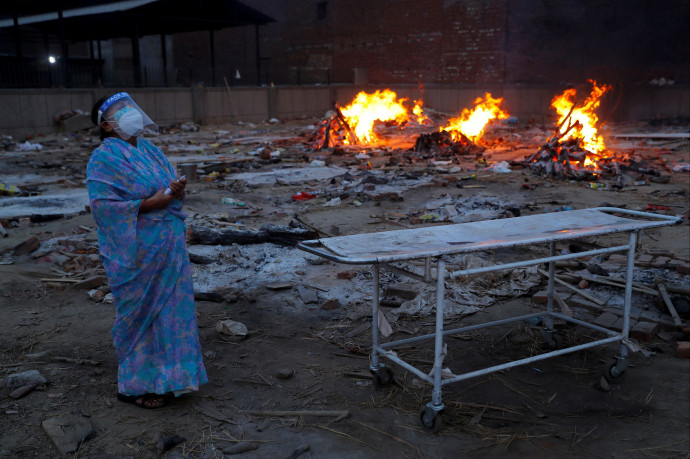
576,149
462,135
354,124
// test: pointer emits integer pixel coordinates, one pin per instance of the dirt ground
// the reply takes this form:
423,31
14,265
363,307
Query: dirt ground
304,353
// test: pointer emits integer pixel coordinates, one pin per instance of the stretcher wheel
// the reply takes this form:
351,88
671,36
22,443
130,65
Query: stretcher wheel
552,340
612,373
430,420
382,376
558,342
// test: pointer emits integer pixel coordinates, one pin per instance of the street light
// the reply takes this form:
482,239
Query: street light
52,59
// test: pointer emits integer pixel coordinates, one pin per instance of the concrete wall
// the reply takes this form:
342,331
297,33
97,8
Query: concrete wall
32,111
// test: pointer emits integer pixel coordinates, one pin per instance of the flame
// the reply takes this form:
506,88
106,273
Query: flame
419,113
584,114
366,109
471,123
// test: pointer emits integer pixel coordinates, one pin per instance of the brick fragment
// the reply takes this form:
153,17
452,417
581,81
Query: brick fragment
346,274
27,246
683,268
331,304
541,297
644,331
683,349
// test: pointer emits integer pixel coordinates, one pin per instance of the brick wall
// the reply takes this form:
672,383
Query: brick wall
452,42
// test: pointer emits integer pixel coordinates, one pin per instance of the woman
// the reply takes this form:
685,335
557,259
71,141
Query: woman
141,235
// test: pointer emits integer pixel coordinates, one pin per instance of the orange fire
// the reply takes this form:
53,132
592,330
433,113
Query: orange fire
584,114
471,123
366,109
419,113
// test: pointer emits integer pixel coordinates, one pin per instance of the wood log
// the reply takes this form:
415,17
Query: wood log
343,121
669,304
276,234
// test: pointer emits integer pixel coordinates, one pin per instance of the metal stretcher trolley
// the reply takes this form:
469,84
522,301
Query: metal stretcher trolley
382,249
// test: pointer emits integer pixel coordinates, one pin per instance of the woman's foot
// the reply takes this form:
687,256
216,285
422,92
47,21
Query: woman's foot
146,401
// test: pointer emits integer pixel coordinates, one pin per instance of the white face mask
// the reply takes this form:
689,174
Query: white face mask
130,121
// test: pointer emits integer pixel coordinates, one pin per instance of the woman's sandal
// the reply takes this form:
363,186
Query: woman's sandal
146,401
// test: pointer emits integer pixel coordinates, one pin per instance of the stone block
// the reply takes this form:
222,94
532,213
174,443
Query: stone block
618,259
67,431
307,295
618,325
661,262
644,331
22,379
610,267
659,253
643,260
606,320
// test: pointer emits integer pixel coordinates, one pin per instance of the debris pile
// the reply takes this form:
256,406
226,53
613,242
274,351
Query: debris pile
443,144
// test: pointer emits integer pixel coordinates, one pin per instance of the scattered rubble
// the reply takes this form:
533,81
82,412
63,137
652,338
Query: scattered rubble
245,266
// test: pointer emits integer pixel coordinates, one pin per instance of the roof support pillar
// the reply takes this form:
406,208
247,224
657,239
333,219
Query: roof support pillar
258,55
64,60
17,36
164,52
100,64
213,58
46,43
136,56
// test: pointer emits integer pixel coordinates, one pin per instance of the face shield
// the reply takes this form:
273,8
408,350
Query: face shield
125,116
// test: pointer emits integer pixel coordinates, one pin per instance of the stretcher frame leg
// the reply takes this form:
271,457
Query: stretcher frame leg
621,365
436,401
375,364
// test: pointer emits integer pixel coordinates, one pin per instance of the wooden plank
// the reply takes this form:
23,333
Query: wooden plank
616,283
564,307
669,303
574,289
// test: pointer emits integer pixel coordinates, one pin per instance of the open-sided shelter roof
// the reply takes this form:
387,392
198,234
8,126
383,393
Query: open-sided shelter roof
101,20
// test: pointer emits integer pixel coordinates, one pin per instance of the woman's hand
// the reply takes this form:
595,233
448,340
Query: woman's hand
177,187
160,200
